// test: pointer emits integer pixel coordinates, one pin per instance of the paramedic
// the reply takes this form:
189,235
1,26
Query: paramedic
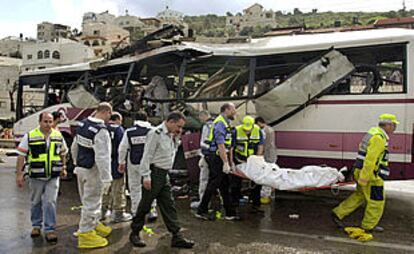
45,150
220,163
249,140
371,168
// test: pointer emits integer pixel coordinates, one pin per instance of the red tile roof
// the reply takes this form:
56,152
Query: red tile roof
392,21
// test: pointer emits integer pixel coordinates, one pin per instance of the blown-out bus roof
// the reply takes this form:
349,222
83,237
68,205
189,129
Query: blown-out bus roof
256,47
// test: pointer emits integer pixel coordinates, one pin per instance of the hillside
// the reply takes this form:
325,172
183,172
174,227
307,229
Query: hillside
215,26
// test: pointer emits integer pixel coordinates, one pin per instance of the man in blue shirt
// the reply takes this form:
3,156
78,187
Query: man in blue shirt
220,162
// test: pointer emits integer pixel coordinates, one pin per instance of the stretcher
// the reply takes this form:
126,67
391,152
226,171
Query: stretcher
307,178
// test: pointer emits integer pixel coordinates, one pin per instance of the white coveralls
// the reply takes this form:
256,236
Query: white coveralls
204,171
134,177
91,181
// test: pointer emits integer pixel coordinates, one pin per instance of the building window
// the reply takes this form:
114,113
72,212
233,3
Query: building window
39,55
29,57
127,22
47,53
96,32
95,43
121,23
56,55
42,67
87,43
119,36
103,43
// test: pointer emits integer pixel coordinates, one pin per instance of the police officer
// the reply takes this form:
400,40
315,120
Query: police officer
371,168
45,150
91,151
116,198
159,152
249,140
132,146
220,163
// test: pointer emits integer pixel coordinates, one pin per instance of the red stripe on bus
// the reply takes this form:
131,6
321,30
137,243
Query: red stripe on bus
371,101
336,141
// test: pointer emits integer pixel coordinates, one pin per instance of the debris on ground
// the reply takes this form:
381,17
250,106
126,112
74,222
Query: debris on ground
263,248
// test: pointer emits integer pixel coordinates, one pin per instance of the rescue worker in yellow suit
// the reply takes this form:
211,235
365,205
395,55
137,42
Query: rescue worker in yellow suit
370,170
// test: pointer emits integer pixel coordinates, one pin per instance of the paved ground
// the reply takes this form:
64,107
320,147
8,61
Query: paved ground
275,232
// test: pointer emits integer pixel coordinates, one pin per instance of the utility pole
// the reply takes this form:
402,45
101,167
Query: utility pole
404,8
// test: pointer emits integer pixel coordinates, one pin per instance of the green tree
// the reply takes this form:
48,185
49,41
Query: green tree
246,31
296,11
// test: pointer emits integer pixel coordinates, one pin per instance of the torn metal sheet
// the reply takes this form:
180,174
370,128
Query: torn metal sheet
306,84
80,98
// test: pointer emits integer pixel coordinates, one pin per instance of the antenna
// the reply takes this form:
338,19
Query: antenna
168,4
403,5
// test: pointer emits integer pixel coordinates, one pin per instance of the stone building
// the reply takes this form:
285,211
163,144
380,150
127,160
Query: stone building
12,46
170,15
253,16
103,17
9,75
60,52
47,31
104,37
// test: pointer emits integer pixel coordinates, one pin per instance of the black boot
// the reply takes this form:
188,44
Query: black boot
339,223
180,242
136,240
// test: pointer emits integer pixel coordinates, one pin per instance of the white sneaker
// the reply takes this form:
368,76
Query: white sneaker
76,233
121,217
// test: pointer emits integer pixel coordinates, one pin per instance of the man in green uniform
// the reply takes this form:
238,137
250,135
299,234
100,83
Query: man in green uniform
159,152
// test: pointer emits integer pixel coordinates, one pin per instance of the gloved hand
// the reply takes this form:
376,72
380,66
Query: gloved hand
106,186
226,168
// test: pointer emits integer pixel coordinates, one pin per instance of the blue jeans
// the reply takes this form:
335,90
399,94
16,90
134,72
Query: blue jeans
43,198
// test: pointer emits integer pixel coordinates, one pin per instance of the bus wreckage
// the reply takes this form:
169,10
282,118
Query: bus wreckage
328,78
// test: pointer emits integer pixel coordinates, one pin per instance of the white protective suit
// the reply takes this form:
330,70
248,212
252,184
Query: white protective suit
269,174
91,182
134,177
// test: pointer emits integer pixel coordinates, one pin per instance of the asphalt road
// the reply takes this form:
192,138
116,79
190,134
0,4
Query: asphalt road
274,232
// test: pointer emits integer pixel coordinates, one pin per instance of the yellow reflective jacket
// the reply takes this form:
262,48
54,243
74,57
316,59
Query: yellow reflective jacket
44,160
372,159
246,145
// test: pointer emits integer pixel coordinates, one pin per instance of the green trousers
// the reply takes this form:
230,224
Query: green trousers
161,191
372,195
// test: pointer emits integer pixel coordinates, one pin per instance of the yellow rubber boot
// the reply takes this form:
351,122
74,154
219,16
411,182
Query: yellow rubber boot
365,237
265,200
90,240
354,232
103,230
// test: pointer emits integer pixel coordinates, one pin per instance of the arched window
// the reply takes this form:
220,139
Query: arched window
39,55
87,43
56,55
47,53
95,43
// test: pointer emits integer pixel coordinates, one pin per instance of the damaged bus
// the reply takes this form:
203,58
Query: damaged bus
320,92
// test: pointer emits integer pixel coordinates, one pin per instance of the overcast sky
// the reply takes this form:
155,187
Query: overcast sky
22,16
